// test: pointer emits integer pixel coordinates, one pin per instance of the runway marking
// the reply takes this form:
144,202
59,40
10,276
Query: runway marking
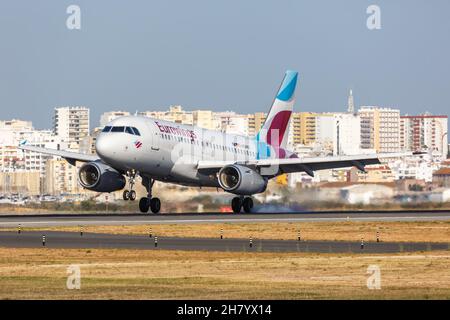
235,220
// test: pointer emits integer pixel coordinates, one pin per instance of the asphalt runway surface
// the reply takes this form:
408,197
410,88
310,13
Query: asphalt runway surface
59,220
34,239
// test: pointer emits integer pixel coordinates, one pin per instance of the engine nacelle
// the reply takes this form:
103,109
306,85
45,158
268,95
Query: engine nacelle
97,176
241,180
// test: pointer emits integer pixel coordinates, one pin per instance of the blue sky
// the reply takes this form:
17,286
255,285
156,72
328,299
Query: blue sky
141,55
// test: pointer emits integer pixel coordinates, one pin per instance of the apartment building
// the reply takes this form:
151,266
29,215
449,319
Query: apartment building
380,128
71,125
203,119
302,128
21,182
175,114
61,177
424,132
107,117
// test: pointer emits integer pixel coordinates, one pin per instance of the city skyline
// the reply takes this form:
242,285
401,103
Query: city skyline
367,131
226,56
97,122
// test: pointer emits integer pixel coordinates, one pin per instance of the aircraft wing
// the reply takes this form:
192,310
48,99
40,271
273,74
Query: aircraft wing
308,165
71,157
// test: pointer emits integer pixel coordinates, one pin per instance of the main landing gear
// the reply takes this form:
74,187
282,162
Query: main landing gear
239,203
130,195
146,203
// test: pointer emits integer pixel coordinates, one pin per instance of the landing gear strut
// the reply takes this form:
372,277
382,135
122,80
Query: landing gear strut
146,203
239,203
130,195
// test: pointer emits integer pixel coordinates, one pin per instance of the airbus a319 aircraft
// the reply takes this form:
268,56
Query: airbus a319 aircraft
158,150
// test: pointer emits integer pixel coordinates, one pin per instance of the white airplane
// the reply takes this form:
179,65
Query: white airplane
191,156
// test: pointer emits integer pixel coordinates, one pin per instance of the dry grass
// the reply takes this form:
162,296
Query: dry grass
438,231
129,274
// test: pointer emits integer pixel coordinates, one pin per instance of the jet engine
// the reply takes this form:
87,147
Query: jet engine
97,176
241,180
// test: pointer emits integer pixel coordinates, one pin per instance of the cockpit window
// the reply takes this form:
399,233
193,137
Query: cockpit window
136,131
118,129
128,130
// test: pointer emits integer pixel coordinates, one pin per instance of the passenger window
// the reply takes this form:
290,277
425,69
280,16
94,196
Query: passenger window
106,129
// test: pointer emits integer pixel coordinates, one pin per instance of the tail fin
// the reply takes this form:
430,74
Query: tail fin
275,130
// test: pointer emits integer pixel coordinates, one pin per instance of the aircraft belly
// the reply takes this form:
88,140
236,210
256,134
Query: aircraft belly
155,163
187,173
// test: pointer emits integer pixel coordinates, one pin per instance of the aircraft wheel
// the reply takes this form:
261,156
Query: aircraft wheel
248,204
144,205
126,195
155,205
132,195
236,204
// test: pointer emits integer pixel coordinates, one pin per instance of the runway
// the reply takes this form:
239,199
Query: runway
59,220
33,239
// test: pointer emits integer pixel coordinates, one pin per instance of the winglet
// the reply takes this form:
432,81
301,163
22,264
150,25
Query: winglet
287,88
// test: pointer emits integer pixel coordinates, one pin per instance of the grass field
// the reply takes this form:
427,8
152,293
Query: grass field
158,274
129,274
438,231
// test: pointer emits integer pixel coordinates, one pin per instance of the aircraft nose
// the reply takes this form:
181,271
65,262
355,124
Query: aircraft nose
104,146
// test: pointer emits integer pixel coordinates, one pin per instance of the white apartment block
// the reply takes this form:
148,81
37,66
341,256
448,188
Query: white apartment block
222,120
238,124
232,123
107,117
175,114
338,133
203,119
325,134
71,124
346,134
61,178
43,139
415,167
13,160
380,128
15,125
227,121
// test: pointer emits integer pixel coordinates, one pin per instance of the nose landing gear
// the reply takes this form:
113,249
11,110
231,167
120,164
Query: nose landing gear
130,195
146,203
239,203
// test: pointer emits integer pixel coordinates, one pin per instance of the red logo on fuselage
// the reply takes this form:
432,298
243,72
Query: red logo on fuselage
137,144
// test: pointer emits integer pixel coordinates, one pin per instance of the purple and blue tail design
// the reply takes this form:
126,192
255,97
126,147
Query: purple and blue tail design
274,133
